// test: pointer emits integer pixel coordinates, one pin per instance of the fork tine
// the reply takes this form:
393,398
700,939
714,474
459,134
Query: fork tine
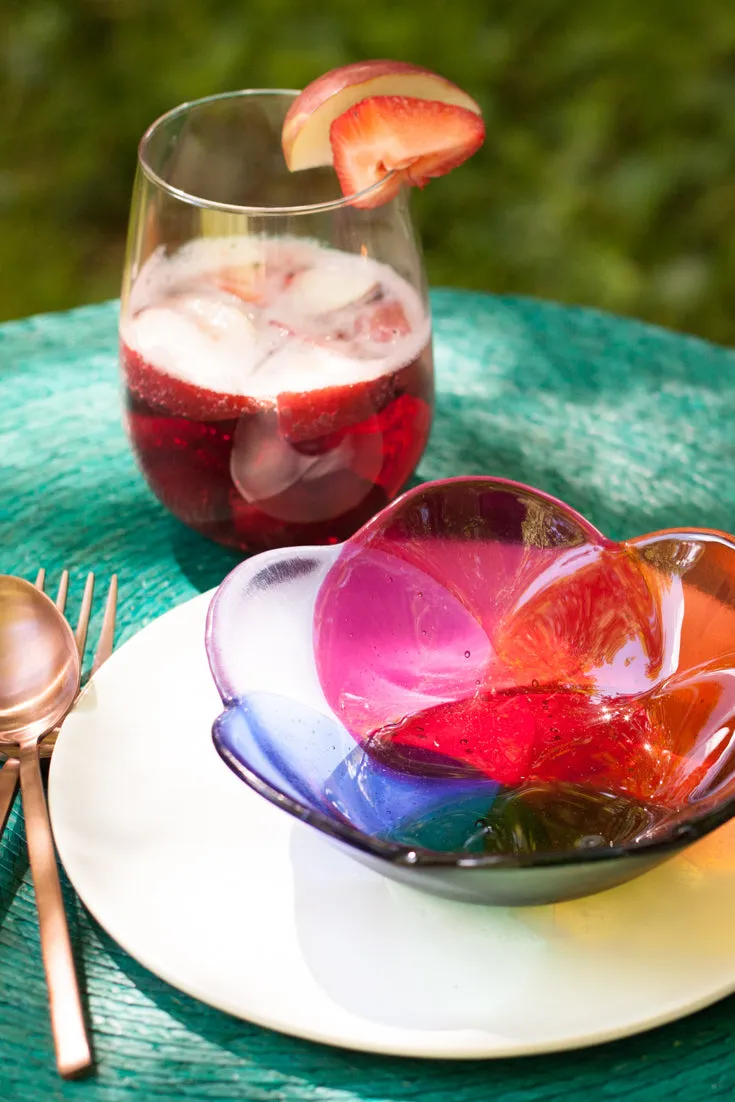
40,579
107,632
63,590
84,612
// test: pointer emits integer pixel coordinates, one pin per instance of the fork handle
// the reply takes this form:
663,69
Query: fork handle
8,788
73,1054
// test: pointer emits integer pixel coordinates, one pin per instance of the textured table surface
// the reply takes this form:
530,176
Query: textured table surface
631,425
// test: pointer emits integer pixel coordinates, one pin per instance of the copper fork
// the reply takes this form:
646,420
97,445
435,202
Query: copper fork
9,772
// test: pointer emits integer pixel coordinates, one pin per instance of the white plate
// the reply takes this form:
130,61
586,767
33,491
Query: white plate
236,903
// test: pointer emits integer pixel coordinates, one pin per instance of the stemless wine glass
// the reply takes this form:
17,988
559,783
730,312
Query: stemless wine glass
275,336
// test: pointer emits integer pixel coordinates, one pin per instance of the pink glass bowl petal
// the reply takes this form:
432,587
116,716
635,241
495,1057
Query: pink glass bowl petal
487,596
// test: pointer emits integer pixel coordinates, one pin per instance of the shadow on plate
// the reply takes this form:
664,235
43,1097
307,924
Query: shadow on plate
687,901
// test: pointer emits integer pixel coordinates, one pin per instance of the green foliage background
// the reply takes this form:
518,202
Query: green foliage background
607,176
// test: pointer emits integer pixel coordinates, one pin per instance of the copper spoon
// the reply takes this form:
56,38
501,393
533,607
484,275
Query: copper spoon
39,680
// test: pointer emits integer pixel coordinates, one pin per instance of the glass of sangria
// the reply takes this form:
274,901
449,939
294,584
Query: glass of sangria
275,335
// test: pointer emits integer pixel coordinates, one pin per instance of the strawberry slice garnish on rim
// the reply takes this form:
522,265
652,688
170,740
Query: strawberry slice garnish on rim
414,139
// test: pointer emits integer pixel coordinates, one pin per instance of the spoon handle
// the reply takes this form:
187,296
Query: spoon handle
73,1054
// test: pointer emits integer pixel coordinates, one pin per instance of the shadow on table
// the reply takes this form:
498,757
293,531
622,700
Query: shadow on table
203,563
13,859
640,504
126,530
14,872
269,1060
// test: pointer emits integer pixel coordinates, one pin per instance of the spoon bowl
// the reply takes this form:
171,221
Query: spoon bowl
39,662
40,672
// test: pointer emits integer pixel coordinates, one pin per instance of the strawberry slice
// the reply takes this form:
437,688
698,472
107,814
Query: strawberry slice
416,139
385,322
168,395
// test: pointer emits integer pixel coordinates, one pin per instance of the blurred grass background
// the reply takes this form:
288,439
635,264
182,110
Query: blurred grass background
607,178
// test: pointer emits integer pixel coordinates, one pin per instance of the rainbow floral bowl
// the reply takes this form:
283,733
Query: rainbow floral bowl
480,695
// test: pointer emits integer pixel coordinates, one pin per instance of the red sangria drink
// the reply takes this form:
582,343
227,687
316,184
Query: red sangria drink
277,391
275,334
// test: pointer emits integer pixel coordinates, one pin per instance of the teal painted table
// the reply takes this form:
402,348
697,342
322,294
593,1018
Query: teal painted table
631,425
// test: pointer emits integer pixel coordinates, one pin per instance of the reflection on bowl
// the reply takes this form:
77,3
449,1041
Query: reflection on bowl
481,695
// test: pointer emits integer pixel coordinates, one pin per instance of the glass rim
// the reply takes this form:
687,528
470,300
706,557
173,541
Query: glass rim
236,208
